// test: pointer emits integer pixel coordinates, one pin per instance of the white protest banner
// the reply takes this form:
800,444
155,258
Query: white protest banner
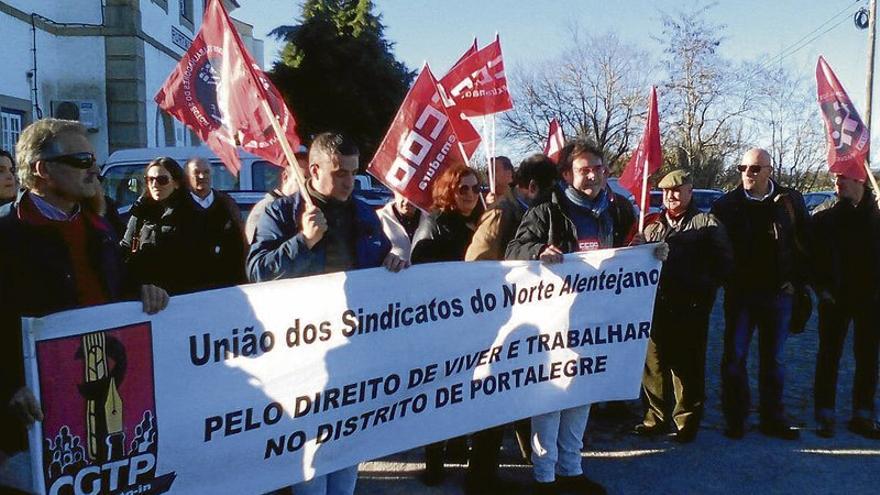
252,388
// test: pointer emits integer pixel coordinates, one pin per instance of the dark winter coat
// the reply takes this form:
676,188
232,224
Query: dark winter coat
36,279
550,223
442,236
790,230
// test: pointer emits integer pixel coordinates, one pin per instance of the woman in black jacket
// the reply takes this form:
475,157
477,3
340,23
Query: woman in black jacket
445,236
155,243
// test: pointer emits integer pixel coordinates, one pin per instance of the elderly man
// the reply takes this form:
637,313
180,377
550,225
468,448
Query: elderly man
767,227
700,258
55,255
586,215
846,268
503,175
337,233
400,220
218,257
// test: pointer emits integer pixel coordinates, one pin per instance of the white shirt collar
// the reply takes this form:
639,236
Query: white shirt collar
762,198
206,202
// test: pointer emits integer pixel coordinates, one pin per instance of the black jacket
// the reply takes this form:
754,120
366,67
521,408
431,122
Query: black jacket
182,247
36,279
790,226
549,223
443,236
834,223
700,255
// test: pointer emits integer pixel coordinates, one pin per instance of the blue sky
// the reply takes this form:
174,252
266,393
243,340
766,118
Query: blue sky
437,31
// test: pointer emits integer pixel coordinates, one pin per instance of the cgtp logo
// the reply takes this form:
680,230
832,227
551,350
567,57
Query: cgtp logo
848,134
100,428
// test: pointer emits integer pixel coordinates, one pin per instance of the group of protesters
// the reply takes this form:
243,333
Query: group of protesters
59,252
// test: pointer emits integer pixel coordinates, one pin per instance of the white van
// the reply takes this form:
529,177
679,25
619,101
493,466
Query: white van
123,173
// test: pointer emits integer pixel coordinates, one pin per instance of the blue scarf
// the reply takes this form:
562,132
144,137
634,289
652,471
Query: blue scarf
592,217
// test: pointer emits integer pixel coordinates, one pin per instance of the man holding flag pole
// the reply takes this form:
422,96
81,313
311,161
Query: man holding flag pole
846,261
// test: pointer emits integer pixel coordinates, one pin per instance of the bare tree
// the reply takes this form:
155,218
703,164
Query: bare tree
597,87
789,120
704,98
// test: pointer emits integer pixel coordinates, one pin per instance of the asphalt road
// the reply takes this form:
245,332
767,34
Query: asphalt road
757,464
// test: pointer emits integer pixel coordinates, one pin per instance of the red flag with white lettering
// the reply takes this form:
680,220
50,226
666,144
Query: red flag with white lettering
467,134
218,90
648,157
555,141
420,144
848,138
477,84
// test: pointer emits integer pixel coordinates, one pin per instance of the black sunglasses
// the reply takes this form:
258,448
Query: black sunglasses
753,169
462,189
82,161
162,180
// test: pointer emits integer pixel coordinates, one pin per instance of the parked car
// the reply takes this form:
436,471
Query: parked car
816,198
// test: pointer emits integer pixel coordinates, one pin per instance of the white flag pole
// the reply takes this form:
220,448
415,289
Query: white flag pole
642,203
288,153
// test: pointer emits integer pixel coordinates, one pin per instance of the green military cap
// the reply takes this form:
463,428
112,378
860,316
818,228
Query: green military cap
675,179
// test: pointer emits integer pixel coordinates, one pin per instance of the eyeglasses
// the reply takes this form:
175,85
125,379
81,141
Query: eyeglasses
463,189
162,180
753,169
82,161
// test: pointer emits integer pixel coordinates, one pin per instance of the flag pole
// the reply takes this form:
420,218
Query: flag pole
288,153
642,202
872,29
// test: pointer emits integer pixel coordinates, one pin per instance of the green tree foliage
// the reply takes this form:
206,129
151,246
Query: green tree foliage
337,72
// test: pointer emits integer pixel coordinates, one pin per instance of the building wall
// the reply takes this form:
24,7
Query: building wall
78,11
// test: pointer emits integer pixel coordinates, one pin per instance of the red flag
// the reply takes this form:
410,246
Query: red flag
217,90
848,138
420,144
555,141
464,130
477,84
648,157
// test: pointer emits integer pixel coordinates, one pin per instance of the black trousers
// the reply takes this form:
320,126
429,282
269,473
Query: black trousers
675,365
834,321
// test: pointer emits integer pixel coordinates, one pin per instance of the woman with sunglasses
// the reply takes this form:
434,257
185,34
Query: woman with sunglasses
445,236
155,241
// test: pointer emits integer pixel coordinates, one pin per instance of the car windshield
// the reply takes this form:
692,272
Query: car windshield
704,199
125,183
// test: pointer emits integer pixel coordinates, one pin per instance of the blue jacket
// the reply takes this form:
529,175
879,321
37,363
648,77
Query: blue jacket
279,249
36,279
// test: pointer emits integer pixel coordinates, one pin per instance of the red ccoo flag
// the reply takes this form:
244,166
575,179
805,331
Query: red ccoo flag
848,138
420,144
218,91
477,83
555,141
467,134
647,159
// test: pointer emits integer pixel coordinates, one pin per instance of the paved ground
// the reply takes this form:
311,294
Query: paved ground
712,464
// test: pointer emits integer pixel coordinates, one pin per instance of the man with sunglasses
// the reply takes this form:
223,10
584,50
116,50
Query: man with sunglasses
56,255
767,225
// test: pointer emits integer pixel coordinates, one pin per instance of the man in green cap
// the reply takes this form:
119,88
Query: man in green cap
700,258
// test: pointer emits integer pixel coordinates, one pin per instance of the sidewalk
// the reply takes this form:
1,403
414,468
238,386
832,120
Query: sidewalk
712,464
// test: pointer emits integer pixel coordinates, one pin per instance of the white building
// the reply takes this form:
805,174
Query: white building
99,62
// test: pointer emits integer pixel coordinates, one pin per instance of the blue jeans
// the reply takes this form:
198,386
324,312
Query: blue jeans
770,312
340,482
557,439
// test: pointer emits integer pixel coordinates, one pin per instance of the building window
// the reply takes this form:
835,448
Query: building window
10,128
168,129
187,14
162,3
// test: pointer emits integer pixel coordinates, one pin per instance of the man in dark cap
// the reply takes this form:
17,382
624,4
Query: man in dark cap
700,257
